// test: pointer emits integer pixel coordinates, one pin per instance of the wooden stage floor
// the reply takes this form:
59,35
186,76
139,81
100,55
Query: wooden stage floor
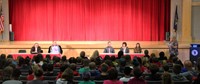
73,48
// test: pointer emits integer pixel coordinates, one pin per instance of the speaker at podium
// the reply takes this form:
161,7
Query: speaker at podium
194,53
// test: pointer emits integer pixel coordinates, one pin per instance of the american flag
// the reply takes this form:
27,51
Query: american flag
176,19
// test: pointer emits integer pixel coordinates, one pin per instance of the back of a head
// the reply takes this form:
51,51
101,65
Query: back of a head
40,56
3,56
82,54
162,54
177,68
9,56
188,64
104,67
63,67
73,66
72,60
7,72
166,78
112,74
166,67
113,58
50,67
120,54
154,68
86,62
68,74
127,71
64,58
38,73
137,72
16,74
37,59
48,56
107,57
86,76
128,58
79,60
92,65
146,52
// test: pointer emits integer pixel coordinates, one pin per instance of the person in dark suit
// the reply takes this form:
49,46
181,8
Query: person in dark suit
124,48
109,48
55,48
36,49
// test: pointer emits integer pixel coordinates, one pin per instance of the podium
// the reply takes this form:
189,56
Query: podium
194,53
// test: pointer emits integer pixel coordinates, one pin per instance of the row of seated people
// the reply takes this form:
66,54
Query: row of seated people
106,69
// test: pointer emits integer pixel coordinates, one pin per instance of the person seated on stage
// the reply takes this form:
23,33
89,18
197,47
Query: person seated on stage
137,48
36,49
55,48
109,48
124,48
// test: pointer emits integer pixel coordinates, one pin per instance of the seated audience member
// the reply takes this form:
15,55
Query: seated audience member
95,54
145,62
33,69
112,77
85,66
114,61
72,60
73,67
55,48
176,76
146,53
14,78
82,55
197,80
7,72
162,56
50,71
122,65
56,61
86,78
93,70
104,73
165,68
67,77
154,76
137,77
190,74
38,73
137,48
166,78
35,49
109,48
120,54
127,73
62,69
124,48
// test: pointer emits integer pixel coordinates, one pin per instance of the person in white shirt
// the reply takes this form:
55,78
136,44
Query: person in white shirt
55,48
127,73
124,48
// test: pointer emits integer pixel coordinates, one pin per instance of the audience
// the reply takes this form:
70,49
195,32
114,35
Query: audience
176,76
86,78
67,77
37,70
38,73
112,77
127,73
14,78
137,77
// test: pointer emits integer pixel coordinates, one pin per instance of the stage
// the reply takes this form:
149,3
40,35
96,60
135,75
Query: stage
73,48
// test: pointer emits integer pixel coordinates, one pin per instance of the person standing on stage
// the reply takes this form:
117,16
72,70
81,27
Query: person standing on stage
55,48
36,49
124,48
173,46
137,48
109,48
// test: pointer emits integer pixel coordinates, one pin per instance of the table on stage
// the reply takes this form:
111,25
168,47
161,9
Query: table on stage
116,55
24,55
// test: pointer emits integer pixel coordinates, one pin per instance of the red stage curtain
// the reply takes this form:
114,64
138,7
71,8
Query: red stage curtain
90,20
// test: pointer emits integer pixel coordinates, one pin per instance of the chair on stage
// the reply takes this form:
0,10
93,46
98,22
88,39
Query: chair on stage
22,51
